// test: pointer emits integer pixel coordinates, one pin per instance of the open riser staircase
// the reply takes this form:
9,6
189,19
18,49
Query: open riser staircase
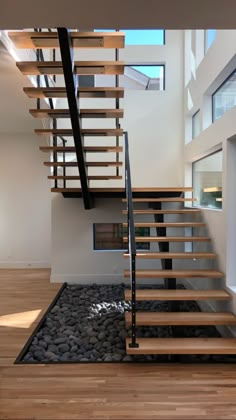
164,206
84,147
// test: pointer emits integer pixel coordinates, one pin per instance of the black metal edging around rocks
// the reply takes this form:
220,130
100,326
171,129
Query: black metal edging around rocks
38,327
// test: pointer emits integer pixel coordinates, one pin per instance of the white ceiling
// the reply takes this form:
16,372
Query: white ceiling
172,14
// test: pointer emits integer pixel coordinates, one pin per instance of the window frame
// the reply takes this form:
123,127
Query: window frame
217,90
117,249
198,160
194,115
151,65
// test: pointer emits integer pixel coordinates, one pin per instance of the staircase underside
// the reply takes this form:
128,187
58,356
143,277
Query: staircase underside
120,192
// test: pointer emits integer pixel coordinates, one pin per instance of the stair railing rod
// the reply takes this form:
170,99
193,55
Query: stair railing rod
40,57
64,167
55,172
131,241
117,83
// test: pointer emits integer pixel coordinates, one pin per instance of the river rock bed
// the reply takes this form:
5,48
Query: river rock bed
87,324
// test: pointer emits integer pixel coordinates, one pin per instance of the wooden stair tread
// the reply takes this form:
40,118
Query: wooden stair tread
194,345
34,40
121,190
182,318
176,274
31,68
83,92
173,255
168,224
28,40
85,113
169,239
90,177
85,132
72,164
92,149
178,294
159,200
181,211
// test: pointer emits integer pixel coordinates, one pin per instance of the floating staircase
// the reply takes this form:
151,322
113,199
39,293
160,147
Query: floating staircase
158,207
68,147
81,153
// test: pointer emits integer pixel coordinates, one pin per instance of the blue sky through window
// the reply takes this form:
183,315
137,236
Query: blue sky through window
141,36
210,37
150,71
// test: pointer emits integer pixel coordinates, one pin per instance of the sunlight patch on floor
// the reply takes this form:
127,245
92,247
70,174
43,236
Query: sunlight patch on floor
20,319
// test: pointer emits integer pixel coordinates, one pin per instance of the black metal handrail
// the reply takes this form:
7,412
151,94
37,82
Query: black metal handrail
71,81
131,240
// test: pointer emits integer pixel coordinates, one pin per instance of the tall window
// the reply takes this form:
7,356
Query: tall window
207,181
224,97
196,127
109,236
210,35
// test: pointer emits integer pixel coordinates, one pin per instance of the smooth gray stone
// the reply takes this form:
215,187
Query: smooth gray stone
60,340
93,340
53,348
63,348
50,354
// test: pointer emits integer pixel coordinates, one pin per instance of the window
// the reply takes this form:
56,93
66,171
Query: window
144,37
109,236
207,181
141,36
196,126
210,35
224,97
143,77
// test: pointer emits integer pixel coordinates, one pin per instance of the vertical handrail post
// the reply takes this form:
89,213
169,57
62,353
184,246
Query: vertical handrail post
131,242
117,107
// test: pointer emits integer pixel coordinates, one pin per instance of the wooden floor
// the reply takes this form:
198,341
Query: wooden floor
100,391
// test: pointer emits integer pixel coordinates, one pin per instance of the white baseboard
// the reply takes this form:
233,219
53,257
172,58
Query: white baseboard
25,264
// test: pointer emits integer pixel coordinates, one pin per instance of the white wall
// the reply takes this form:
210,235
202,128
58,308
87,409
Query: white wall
216,66
154,120
73,257
25,204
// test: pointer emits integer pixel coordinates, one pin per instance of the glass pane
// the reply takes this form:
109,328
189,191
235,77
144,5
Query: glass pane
210,35
207,181
143,77
144,36
109,236
141,36
196,124
225,97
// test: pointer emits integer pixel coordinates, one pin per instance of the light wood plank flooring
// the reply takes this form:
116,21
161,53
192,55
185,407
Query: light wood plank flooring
100,391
